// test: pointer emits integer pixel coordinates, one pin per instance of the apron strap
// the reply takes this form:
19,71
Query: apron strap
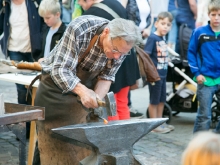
92,42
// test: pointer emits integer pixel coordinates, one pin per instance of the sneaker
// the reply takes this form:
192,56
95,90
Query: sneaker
171,127
134,113
161,129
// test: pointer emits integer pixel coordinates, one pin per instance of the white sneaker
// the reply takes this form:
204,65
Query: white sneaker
161,129
171,127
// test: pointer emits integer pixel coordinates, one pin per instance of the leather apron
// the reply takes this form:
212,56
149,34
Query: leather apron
61,110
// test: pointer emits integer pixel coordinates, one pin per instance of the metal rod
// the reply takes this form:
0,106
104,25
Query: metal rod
182,74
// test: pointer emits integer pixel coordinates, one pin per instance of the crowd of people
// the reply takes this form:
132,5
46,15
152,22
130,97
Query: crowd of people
86,49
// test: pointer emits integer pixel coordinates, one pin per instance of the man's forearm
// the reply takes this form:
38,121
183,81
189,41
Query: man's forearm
80,89
102,87
193,7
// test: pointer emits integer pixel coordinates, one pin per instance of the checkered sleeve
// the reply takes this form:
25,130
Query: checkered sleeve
64,66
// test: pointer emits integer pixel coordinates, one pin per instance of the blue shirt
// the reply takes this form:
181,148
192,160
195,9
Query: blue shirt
171,5
156,47
48,41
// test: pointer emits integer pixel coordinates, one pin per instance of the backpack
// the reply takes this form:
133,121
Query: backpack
134,14
184,36
146,65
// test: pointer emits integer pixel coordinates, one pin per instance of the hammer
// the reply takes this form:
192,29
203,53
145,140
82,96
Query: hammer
106,108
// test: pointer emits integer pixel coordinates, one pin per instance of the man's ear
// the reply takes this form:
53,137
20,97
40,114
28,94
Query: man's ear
106,31
58,14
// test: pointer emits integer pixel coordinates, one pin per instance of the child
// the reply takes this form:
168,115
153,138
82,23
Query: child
203,149
156,47
50,11
203,58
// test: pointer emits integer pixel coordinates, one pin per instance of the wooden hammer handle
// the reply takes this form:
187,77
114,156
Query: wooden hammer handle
101,103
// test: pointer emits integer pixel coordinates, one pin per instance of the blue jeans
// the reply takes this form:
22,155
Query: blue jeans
67,15
172,35
203,119
153,28
18,56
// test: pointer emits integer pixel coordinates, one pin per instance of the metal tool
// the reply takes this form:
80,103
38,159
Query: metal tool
106,108
112,143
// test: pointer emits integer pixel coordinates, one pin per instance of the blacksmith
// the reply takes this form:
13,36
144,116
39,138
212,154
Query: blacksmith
70,71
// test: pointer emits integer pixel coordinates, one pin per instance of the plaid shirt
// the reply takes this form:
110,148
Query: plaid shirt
63,59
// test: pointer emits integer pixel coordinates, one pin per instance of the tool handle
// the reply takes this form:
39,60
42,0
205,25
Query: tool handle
101,103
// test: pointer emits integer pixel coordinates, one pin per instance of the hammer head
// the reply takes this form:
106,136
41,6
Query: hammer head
107,107
110,104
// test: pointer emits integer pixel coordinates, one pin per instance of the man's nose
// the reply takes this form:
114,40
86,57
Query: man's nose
117,55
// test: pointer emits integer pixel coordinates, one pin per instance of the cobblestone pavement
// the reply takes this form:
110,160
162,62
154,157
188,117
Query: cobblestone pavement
152,149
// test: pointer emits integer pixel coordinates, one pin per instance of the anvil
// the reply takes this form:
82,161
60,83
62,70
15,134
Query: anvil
112,142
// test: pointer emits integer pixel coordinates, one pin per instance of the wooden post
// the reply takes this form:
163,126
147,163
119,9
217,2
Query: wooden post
33,133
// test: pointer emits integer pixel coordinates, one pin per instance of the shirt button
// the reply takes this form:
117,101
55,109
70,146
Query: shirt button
33,17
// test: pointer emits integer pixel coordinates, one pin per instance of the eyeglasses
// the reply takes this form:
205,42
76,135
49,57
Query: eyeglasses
117,51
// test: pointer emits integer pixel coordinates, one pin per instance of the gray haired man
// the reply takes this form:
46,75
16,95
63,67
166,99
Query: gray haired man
68,72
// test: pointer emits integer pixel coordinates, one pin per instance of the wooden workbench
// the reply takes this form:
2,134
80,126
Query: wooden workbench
25,80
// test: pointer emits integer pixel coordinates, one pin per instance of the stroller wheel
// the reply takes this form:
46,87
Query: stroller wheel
176,113
215,116
167,113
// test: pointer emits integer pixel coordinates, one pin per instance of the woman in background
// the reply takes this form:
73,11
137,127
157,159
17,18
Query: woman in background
138,11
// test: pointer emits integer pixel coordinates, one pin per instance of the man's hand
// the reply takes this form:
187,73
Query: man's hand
87,96
200,79
145,33
41,59
89,99
198,24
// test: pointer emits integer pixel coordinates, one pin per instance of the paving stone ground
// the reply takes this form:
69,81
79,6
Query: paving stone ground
152,149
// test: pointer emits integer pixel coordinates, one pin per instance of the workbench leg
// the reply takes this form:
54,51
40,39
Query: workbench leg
22,154
22,148
33,133
19,130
